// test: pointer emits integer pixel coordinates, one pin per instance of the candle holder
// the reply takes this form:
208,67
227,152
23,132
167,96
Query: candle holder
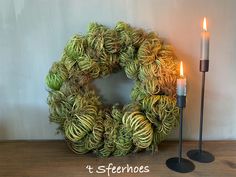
180,164
198,154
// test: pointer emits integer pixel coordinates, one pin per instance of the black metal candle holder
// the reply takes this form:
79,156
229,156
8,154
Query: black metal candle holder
198,154
180,164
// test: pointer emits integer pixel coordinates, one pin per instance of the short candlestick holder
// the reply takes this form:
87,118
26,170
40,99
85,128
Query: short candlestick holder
199,154
180,164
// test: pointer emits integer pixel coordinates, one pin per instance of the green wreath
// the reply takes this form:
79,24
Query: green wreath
88,124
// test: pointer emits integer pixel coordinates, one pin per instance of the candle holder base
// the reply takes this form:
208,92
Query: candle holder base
200,156
182,166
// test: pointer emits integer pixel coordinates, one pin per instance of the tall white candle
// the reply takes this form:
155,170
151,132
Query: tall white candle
205,40
181,82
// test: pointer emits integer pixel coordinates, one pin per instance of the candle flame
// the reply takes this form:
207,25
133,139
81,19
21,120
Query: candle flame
181,69
204,24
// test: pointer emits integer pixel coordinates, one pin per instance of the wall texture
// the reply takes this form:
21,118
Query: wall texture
33,34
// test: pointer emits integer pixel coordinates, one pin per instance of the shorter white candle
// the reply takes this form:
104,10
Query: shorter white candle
205,40
181,82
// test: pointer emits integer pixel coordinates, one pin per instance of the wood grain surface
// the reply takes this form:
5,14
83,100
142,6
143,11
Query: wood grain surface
54,159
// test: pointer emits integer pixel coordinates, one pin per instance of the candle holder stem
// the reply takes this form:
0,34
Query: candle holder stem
199,154
180,164
180,134
201,111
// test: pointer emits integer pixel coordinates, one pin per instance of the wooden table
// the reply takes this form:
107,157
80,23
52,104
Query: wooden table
54,159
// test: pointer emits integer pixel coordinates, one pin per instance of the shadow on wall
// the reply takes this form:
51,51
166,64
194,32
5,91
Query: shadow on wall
26,122
3,129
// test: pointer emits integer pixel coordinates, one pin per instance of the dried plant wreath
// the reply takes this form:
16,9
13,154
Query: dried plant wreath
90,125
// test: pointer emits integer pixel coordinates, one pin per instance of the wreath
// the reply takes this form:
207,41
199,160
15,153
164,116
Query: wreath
90,125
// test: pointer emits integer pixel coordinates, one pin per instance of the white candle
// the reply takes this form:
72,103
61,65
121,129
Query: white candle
181,82
205,38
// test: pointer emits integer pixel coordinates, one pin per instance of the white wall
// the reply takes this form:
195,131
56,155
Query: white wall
34,32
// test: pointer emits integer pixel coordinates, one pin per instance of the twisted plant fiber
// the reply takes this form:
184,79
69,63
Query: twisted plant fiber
88,124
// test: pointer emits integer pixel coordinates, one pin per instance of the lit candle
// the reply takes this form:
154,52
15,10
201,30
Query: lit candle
205,38
181,82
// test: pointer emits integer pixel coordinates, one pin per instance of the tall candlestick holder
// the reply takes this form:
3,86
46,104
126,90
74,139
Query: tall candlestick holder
199,154
180,164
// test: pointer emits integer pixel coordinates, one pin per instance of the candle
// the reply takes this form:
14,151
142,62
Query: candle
205,36
181,82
